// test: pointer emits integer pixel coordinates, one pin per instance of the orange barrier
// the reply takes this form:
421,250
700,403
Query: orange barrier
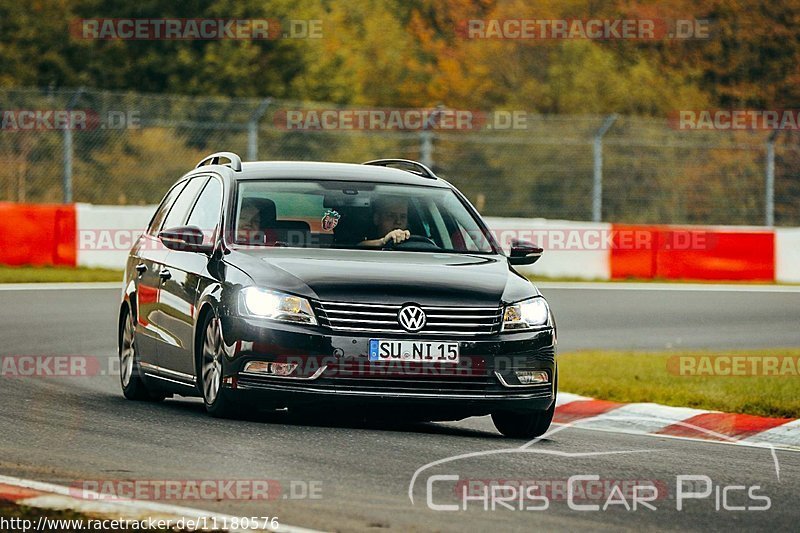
672,252
41,234
37,234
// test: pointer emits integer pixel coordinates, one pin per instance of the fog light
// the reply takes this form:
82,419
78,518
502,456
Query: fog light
283,369
530,377
270,369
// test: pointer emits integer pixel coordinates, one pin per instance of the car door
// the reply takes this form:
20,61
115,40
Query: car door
146,259
166,323
188,276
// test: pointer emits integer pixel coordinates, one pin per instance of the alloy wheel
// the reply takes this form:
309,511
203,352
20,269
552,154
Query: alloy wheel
212,361
127,353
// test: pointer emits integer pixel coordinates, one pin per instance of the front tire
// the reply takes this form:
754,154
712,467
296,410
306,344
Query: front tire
133,387
217,400
522,425
526,425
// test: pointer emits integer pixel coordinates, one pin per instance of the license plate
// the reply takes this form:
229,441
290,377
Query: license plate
423,351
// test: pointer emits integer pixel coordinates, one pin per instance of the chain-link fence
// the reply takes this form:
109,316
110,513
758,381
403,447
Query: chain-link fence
127,148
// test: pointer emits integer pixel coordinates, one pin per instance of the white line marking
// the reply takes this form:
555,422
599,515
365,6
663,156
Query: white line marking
577,285
60,286
785,434
61,497
564,398
740,443
696,287
646,419
642,417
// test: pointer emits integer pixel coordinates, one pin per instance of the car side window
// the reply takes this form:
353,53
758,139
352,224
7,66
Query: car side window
205,213
163,209
180,209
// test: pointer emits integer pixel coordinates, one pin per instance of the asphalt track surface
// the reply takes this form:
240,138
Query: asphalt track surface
67,429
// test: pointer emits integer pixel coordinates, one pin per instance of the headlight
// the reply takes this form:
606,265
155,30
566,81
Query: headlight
276,305
524,315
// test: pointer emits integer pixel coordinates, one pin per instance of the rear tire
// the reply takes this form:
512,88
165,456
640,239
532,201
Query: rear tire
133,387
217,400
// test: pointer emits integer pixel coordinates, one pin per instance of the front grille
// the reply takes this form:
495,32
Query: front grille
418,385
424,379
382,318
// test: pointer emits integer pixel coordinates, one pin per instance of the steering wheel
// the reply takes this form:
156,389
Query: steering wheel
412,240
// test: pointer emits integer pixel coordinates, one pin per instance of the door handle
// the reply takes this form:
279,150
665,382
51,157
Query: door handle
164,275
141,268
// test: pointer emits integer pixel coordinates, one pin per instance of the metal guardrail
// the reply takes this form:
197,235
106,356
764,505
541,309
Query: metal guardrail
578,167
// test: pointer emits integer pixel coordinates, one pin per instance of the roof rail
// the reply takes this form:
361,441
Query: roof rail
417,168
214,159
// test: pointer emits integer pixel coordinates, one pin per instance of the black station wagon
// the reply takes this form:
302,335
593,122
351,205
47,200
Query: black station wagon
373,287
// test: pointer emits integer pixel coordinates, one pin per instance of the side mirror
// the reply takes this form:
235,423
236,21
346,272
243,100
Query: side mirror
524,253
185,239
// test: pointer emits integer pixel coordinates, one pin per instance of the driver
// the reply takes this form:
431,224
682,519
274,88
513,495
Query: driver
390,218
249,223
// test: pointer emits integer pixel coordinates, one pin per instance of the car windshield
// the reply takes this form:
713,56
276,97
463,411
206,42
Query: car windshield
342,214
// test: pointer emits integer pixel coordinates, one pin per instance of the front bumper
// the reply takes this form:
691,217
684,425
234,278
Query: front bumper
336,368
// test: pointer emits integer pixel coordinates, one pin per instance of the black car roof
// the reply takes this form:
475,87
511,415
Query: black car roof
331,171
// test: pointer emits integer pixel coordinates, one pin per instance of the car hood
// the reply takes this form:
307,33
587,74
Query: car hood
385,276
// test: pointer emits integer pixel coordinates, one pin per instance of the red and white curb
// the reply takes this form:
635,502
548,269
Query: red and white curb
678,422
56,497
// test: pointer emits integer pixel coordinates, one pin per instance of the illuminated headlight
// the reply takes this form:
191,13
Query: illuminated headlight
276,305
524,315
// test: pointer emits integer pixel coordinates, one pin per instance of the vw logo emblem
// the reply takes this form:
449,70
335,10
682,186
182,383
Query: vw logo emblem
412,318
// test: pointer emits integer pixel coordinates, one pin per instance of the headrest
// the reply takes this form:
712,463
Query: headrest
266,209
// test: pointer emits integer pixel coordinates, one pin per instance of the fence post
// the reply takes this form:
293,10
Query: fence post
426,137
426,148
597,181
769,185
67,158
252,129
